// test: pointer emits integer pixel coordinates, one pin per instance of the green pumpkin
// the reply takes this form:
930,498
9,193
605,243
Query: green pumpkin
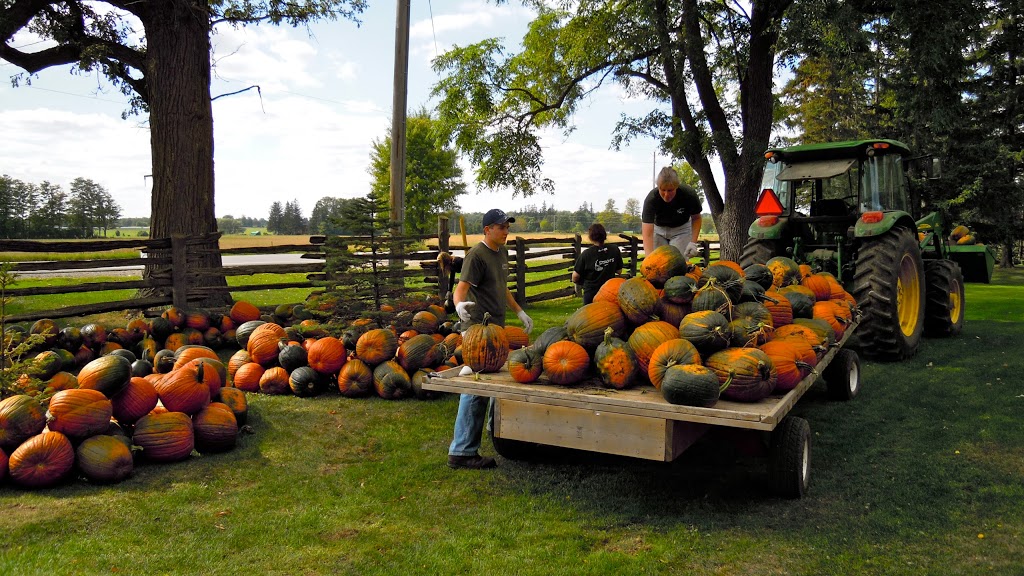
692,385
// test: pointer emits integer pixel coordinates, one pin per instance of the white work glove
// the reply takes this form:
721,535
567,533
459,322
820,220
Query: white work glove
464,310
526,320
692,249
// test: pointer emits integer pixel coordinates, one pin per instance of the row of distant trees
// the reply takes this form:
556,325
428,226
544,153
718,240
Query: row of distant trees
46,210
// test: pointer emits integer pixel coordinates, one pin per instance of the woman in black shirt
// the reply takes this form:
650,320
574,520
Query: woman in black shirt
597,264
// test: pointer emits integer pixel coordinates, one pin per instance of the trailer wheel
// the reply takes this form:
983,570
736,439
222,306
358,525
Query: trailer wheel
889,288
842,375
944,298
512,449
789,459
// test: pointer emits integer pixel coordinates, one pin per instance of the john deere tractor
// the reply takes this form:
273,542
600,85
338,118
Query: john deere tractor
844,208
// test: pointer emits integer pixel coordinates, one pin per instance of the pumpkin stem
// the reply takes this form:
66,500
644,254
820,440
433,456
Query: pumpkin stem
608,335
727,382
487,318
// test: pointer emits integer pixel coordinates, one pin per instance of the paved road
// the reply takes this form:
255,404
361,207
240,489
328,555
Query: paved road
228,260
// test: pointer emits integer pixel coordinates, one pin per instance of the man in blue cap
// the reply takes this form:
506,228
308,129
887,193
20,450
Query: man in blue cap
482,287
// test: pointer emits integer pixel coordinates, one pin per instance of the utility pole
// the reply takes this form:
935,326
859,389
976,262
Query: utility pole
398,114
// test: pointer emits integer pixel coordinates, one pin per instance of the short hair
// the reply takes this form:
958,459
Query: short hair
596,233
668,176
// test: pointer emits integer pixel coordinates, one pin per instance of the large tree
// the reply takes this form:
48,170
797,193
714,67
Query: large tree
165,69
433,178
711,66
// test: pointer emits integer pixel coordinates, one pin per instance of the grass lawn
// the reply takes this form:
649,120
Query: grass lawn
920,474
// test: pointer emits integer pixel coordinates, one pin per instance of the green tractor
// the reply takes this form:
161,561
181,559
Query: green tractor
844,208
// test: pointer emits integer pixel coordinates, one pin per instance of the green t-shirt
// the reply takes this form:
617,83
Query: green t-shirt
486,271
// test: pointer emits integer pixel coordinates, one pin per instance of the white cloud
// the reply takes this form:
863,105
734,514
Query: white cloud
271,57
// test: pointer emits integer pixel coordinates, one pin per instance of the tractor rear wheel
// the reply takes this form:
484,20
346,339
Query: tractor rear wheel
889,288
757,252
944,303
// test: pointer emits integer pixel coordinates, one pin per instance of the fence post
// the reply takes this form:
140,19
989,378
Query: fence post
520,271
179,270
577,249
442,248
634,252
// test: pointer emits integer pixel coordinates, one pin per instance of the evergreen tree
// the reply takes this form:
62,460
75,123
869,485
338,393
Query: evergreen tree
276,218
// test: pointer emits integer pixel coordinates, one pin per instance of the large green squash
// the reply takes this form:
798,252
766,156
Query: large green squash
549,337
108,374
638,300
103,458
707,330
21,417
587,324
691,385
391,381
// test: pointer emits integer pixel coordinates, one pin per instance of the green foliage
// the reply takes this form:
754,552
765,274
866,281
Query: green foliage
16,346
44,210
361,275
433,178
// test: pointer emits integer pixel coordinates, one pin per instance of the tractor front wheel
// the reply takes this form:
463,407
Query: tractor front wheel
944,304
889,288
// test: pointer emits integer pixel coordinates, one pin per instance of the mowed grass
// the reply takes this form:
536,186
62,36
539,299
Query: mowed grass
920,474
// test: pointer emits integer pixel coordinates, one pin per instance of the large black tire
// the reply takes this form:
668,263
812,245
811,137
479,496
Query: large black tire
842,375
512,449
944,299
757,252
789,458
889,288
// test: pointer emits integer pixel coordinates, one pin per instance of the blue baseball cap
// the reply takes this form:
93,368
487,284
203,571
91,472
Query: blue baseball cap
496,216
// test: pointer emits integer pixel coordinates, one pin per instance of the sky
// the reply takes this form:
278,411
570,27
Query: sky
325,96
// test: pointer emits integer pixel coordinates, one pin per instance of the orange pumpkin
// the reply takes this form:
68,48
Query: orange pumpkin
663,263
247,377
485,346
243,311
670,353
587,324
174,315
275,381
184,390
566,362
615,362
831,313
234,399
237,360
525,365
215,428
135,401
609,291
671,312
377,346
186,354
645,339
164,436
327,355
818,285
779,307
79,413
262,344
425,322
108,374
355,379
42,460
787,359
517,337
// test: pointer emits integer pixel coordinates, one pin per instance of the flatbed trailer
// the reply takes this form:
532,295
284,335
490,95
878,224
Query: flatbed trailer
638,422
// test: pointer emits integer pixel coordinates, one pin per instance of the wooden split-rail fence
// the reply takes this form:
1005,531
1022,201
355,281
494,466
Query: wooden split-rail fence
177,268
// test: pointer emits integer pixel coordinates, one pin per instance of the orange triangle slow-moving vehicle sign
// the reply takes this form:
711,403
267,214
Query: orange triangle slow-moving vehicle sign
768,204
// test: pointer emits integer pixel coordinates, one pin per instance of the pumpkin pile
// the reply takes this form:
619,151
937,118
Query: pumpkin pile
99,429
697,334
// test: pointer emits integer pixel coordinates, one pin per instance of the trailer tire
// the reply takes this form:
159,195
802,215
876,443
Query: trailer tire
789,459
944,300
512,449
842,375
889,288
757,252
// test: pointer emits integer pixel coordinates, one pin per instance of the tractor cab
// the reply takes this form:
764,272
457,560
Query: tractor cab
816,199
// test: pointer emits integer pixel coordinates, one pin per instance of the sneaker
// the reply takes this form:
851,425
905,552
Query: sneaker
472,462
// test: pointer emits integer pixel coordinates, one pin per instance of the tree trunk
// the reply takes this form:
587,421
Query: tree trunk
181,126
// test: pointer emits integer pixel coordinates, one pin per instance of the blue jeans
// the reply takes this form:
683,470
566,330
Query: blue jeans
469,425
